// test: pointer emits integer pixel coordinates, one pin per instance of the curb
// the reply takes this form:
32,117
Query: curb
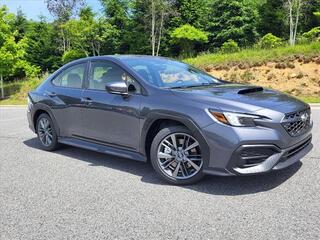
17,106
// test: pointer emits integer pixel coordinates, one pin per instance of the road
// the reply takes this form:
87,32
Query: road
78,194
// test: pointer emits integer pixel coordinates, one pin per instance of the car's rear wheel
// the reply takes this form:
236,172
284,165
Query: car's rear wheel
46,132
176,156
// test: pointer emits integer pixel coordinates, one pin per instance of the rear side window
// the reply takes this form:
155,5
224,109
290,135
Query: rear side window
71,77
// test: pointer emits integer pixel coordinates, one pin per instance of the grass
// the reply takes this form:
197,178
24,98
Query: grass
251,56
20,97
310,99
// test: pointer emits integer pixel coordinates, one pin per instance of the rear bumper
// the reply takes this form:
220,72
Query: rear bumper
30,117
245,151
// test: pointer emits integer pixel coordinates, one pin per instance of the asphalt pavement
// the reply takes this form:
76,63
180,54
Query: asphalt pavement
78,194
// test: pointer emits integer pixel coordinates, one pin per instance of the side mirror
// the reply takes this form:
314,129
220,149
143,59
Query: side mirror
120,88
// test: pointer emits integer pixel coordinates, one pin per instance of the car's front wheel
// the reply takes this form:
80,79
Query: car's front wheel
176,155
46,132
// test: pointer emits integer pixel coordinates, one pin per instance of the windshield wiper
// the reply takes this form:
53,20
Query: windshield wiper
193,86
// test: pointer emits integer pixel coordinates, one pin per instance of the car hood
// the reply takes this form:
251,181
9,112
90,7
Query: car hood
240,97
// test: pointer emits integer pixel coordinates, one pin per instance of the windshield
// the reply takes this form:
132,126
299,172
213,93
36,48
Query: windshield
166,73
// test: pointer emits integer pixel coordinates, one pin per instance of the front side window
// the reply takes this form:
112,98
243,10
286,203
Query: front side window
105,72
71,77
168,73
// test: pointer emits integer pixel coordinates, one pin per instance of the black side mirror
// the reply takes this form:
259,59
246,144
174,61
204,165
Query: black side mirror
120,88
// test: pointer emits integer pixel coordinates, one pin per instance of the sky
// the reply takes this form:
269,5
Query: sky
34,8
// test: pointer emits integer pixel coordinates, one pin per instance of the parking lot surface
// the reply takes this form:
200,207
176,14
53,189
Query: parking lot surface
78,194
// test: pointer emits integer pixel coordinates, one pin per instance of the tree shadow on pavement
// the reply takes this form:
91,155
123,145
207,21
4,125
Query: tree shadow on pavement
210,184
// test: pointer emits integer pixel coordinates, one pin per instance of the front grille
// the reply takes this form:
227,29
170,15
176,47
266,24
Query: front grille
295,150
297,123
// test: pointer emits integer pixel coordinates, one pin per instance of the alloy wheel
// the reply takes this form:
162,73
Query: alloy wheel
179,156
45,132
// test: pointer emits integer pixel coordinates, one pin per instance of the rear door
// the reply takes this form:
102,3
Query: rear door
109,118
66,91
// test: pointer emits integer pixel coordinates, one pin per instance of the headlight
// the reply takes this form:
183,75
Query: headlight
235,119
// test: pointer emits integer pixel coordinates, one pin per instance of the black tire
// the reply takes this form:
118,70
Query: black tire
161,135
54,142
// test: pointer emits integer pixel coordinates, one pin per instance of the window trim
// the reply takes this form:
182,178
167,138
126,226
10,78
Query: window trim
66,67
86,85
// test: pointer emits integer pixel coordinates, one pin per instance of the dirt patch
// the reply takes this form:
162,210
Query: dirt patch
298,76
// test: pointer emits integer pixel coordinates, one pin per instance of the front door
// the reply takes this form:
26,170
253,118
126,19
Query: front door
110,118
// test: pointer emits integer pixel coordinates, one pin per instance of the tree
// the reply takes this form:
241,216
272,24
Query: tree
193,12
42,47
186,36
149,16
272,18
232,19
12,51
293,8
87,35
20,24
117,16
308,19
63,10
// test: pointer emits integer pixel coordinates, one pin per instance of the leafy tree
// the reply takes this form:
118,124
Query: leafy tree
116,11
308,19
88,35
42,49
71,55
232,19
186,36
138,40
12,51
20,24
193,12
273,18
63,10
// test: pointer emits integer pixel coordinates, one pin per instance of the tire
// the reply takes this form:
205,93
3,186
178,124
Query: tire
179,164
47,132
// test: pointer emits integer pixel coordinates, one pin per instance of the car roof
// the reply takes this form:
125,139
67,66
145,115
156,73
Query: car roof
122,57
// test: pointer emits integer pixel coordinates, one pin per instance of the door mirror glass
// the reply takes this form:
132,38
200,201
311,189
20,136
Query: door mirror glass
117,88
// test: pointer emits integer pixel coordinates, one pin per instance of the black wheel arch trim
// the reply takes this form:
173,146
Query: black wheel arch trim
185,120
46,108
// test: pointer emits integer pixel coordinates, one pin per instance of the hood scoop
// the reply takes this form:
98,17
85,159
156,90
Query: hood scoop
250,90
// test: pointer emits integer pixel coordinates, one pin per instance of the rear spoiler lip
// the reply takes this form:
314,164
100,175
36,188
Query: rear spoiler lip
250,90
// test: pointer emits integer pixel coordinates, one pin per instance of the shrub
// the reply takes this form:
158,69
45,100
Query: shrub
230,46
270,41
72,55
312,35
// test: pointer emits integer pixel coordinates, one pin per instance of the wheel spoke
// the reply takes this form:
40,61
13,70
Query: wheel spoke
167,163
184,169
195,166
168,143
193,145
164,155
163,144
174,141
176,170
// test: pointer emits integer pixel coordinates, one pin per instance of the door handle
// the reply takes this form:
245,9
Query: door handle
86,100
51,94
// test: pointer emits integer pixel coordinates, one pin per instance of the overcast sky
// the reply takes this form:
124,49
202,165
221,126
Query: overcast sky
34,8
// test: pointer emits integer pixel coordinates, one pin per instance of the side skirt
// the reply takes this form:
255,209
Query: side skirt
102,148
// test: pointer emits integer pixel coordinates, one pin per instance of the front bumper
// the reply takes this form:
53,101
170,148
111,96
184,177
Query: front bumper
246,151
